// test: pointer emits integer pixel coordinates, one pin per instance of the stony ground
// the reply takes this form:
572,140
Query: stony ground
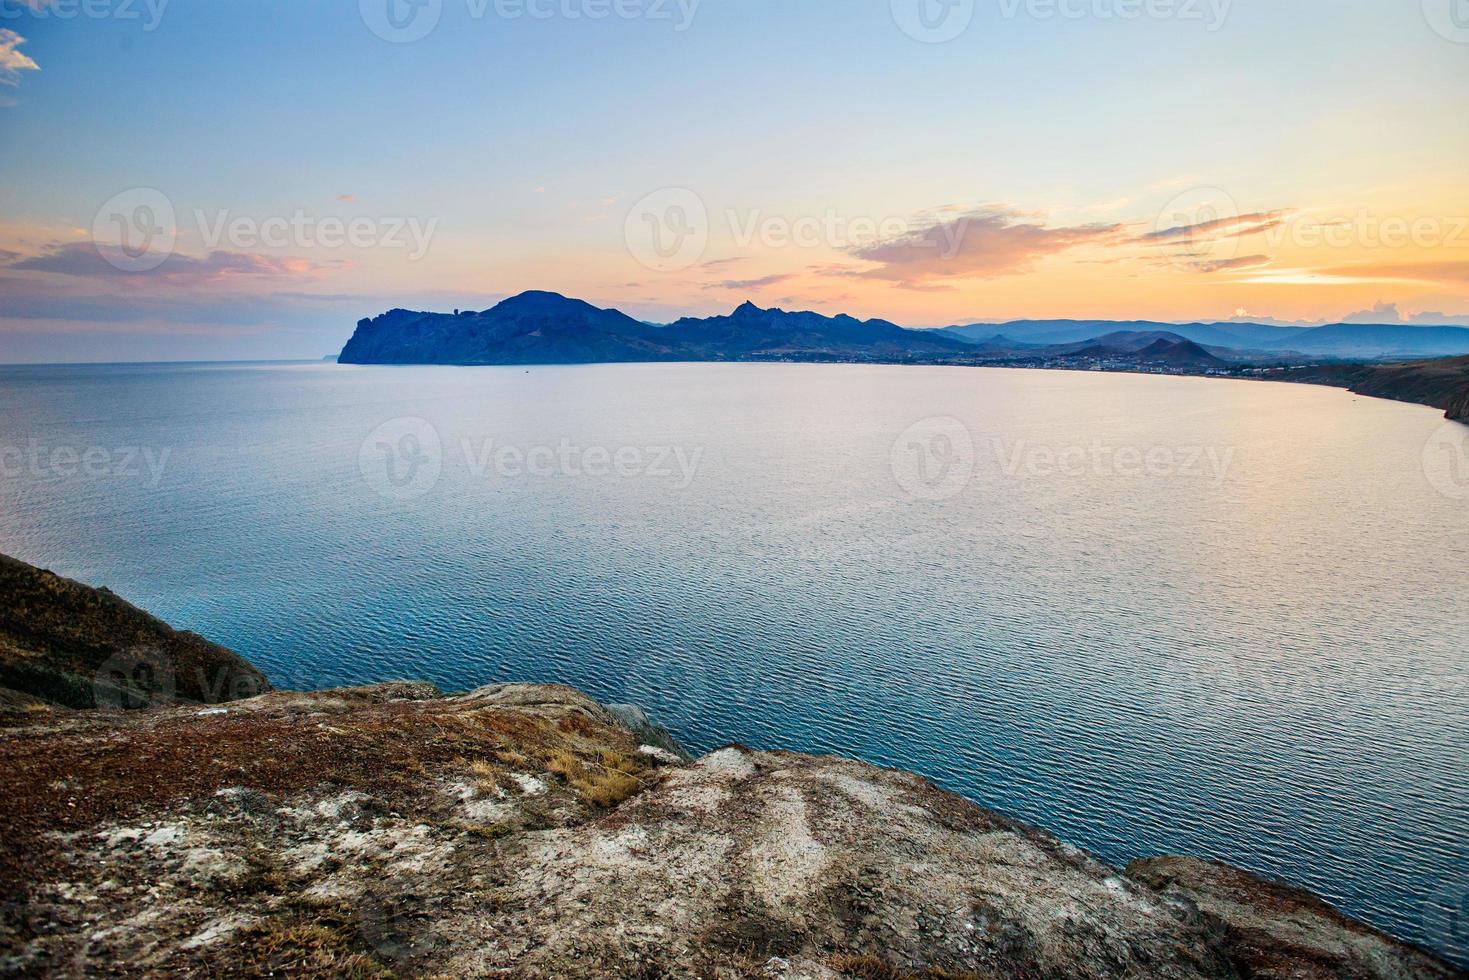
524,831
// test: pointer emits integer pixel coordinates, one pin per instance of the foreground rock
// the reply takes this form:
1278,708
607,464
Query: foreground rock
66,644
524,831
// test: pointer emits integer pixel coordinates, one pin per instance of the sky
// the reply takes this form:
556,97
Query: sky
217,179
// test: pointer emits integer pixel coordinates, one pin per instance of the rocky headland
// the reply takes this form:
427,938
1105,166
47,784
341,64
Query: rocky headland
540,327
1441,383
527,831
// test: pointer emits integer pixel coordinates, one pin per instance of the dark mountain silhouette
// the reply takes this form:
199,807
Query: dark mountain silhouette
749,330
548,328
1181,353
532,328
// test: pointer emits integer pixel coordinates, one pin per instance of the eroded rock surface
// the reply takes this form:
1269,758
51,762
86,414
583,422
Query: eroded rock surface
524,831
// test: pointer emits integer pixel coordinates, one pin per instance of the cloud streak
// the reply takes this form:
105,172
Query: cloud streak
743,284
982,243
13,61
1233,226
1437,272
1231,265
87,260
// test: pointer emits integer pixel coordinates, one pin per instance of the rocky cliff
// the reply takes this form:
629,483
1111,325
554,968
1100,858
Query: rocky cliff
68,644
1442,383
524,831
527,831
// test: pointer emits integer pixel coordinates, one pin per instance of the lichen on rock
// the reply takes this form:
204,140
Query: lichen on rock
523,830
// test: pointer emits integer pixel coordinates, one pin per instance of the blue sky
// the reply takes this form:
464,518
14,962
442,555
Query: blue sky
525,143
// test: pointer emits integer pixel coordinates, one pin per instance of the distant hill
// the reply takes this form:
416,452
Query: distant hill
1364,340
532,328
1181,353
749,330
548,328
1440,383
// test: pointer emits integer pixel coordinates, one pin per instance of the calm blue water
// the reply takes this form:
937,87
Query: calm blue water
1153,615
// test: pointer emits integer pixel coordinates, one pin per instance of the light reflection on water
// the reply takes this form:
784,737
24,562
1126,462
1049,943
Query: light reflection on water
1253,649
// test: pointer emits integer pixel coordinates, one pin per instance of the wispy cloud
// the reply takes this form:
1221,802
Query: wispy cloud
979,244
1447,272
1232,226
743,284
1231,265
13,61
107,262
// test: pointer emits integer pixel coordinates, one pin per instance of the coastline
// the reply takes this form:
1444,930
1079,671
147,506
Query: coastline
527,829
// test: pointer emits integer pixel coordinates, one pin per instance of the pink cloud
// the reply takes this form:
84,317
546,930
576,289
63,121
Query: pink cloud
980,244
12,60
91,261
1234,226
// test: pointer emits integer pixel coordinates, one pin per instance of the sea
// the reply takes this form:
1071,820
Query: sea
1152,615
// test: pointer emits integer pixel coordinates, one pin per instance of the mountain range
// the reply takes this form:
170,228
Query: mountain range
1338,340
547,328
